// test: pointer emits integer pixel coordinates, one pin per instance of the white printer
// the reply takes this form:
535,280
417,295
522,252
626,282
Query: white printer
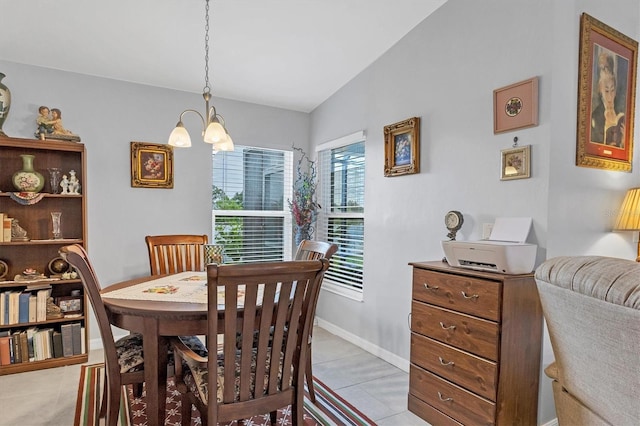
505,251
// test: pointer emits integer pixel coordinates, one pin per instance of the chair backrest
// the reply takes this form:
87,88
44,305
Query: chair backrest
77,257
591,305
170,254
279,298
312,250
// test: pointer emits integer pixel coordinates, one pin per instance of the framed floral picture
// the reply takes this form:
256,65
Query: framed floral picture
402,147
606,97
515,106
516,163
151,165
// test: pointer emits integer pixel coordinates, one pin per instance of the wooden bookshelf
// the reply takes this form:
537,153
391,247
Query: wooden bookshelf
41,248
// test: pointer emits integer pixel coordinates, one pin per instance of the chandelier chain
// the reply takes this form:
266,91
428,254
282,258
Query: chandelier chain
207,88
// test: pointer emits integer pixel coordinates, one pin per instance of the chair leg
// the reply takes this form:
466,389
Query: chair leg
185,409
113,403
137,389
309,377
103,403
273,416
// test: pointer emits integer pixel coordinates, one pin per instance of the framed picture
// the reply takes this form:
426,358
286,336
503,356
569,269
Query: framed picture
70,304
151,165
402,147
606,97
516,163
515,106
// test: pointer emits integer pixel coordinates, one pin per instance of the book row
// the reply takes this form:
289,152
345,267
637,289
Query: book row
23,306
38,344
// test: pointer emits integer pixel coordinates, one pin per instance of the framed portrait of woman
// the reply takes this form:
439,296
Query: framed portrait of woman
606,97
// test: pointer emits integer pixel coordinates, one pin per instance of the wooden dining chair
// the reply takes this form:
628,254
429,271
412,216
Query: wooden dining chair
276,301
312,250
170,254
124,361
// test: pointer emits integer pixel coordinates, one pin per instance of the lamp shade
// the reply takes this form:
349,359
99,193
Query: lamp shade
215,132
179,137
629,214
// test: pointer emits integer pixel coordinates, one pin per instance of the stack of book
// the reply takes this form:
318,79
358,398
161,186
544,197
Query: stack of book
37,344
24,306
5,228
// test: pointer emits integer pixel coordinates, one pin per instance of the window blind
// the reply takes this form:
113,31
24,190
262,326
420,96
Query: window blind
341,171
250,216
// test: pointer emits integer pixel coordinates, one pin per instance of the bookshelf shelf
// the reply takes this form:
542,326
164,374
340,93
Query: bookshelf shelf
40,250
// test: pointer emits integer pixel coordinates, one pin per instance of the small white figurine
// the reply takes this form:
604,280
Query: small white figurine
64,184
74,183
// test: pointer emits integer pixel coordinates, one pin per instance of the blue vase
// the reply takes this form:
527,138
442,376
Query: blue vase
302,233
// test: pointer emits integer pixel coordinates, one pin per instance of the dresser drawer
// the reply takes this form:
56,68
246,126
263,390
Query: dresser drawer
462,368
464,294
454,401
476,335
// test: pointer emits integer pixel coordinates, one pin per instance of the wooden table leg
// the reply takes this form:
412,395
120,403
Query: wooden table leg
155,372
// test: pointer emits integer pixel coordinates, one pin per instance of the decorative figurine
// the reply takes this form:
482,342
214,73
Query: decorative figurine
74,183
50,125
64,184
17,232
53,310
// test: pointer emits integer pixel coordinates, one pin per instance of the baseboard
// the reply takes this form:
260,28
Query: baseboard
381,353
553,422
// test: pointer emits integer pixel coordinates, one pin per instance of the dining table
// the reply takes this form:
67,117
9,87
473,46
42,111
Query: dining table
158,307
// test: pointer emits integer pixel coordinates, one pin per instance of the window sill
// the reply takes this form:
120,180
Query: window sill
341,290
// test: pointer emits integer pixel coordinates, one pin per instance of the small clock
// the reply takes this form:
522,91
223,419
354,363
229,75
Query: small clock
453,220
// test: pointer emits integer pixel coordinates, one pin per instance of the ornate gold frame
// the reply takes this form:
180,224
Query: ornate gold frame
151,165
402,147
597,37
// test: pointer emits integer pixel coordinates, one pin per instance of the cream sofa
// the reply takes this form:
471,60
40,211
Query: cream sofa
592,308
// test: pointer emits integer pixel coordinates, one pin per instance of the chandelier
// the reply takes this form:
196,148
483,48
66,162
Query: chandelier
213,126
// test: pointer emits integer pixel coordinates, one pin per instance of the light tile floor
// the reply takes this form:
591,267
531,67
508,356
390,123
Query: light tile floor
375,387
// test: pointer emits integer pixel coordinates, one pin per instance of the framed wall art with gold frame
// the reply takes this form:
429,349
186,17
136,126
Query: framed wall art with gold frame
516,163
151,165
515,106
606,97
402,147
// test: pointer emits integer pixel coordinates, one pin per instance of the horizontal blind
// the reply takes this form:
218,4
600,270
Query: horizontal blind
250,188
341,220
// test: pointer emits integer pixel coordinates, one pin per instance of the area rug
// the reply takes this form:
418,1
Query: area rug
329,409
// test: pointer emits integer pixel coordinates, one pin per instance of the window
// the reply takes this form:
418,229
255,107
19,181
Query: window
250,216
341,167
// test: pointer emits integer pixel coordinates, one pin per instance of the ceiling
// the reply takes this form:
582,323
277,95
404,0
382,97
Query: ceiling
292,54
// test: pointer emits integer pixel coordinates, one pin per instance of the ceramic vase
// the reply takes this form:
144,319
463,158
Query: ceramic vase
27,179
5,103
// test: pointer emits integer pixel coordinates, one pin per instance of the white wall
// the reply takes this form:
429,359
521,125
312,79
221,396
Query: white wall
445,71
108,115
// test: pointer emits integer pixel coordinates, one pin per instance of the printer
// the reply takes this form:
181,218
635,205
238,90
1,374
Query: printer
505,251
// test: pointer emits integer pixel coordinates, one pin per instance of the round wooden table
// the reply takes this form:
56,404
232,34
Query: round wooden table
156,321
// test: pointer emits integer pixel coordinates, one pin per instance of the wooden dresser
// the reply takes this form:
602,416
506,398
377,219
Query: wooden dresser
475,346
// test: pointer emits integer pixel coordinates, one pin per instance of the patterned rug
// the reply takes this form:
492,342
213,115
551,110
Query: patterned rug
329,409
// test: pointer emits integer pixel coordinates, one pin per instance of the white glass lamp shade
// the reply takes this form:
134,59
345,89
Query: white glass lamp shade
224,145
179,137
215,132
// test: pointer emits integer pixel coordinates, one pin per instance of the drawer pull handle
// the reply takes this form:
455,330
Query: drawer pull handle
432,288
444,327
443,362
444,399
409,320
475,296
